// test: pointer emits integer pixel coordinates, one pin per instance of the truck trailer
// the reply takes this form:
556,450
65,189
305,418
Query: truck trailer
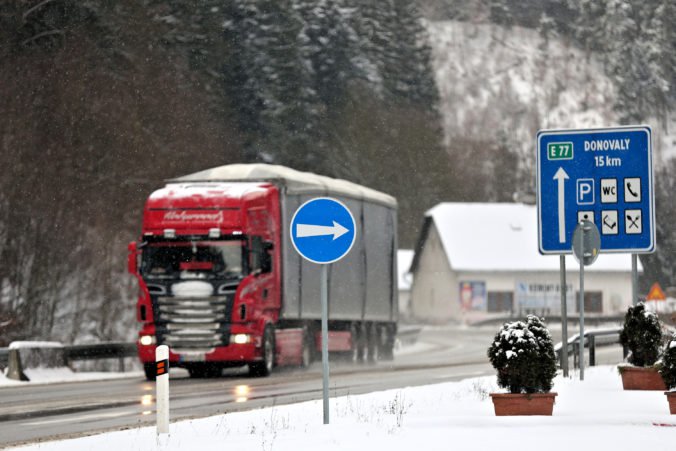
222,285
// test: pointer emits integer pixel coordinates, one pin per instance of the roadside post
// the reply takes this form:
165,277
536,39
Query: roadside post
586,248
162,389
603,176
564,316
323,231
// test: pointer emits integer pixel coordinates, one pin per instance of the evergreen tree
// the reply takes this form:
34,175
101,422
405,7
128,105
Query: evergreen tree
407,64
327,43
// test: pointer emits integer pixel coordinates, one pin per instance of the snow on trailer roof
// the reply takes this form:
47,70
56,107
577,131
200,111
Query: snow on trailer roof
296,182
501,237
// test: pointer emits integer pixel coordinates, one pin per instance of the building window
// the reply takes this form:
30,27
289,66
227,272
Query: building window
500,301
593,302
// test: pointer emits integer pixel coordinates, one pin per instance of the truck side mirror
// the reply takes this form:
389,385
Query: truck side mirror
132,257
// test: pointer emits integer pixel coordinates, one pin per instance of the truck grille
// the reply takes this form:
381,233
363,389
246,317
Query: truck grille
195,325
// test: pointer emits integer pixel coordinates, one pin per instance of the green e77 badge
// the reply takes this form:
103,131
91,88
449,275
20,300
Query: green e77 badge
560,151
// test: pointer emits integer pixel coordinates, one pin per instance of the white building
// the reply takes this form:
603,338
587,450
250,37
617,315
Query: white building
478,260
404,259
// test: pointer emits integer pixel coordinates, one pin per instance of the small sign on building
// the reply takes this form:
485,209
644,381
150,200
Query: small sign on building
473,296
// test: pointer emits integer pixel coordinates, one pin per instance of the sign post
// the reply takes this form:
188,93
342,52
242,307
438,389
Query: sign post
564,317
586,247
603,176
323,231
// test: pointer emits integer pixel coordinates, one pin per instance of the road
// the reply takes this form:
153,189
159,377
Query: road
41,412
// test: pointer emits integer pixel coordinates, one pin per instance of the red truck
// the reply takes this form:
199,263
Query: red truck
222,285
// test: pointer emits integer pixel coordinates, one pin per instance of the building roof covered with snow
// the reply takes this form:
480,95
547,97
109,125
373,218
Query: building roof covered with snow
499,237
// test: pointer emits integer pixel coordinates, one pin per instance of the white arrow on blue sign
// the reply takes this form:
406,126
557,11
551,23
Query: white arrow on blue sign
323,230
598,175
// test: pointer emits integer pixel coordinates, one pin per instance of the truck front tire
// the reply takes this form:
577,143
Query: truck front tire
264,367
150,370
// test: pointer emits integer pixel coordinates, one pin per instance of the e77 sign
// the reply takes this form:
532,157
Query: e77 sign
600,175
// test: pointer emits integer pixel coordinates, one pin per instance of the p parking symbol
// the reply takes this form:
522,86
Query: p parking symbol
585,191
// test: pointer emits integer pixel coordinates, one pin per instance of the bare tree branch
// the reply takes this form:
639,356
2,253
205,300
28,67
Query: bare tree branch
43,34
35,8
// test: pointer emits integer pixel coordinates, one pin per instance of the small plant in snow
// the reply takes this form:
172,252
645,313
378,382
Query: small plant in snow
398,407
668,367
480,390
523,355
642,335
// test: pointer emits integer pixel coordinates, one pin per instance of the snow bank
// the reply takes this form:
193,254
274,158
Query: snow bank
591,415
59,375
34,344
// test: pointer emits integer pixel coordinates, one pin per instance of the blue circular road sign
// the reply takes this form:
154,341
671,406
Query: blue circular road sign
323,230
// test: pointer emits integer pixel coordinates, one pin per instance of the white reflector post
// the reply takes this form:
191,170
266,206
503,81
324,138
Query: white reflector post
162,386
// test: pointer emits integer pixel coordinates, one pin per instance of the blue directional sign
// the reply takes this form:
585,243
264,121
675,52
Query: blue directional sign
600,175
323,230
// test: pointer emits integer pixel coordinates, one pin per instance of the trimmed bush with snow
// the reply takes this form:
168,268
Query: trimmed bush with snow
523,355
642,335
668,367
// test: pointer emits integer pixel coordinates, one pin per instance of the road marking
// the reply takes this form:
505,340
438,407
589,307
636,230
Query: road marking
473,373
79,418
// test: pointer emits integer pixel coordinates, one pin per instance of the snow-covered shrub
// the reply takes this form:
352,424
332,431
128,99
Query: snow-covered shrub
668,367
642,335
523,355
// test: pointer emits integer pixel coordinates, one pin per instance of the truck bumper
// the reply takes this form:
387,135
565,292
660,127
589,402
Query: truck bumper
232,354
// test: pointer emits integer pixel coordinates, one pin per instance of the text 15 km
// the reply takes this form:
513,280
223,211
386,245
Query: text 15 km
604,160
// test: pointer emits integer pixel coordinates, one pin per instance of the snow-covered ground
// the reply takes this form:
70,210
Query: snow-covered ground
592,415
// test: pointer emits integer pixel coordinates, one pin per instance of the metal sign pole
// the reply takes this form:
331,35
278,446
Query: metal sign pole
311,236
325,341
581,307
564,318
634,279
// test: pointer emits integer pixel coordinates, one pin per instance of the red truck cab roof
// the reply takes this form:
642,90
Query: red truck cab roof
198,208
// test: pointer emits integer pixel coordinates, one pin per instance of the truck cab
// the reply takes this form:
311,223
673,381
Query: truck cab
207,264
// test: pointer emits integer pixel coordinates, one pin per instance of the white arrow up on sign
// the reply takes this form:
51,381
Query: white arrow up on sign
561,177
306,230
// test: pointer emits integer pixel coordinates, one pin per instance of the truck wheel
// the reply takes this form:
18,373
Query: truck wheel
306,352
150,370
386,351
264,367
353,354
373,343
362,343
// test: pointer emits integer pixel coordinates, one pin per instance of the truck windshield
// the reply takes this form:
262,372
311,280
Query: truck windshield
190,259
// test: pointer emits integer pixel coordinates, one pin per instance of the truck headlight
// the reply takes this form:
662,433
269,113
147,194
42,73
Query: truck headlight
147,340
240,339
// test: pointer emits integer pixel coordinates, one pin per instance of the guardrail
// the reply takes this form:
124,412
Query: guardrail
111,350
120,350
592,339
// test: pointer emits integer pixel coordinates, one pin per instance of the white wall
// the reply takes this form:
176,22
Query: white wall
434,291
614,286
